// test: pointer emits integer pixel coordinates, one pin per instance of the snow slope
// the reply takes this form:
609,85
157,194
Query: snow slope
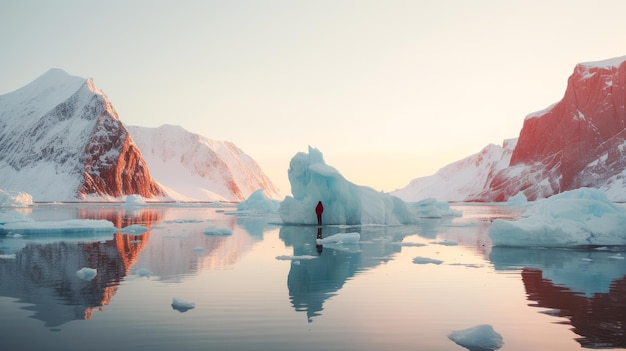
192,167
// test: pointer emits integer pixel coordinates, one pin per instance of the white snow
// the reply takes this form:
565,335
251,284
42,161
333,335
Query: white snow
344,202
87,273
540,113
607,64
15,199
579,217
480,337
182,305
192,167
461,179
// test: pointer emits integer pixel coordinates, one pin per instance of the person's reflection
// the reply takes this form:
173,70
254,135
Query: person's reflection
319,245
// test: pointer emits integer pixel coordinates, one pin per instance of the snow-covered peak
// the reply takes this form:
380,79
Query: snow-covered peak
44,93
606,64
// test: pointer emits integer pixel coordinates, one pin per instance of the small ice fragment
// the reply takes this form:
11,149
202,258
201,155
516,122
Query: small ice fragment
426,260
86,273
480,337
181,305
144,272
218,231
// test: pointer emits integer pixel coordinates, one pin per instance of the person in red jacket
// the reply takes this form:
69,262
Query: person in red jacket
319,209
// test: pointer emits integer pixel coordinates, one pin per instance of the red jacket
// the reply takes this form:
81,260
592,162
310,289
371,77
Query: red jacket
319,208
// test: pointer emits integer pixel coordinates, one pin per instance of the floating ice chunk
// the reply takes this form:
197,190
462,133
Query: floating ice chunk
579,217
181,305
135,229
86,273
258,203
7,256
134,200
15,199
431,208
446,243
411,244
292,258
218,231
426,260
144,272
481,337
69,225
341,238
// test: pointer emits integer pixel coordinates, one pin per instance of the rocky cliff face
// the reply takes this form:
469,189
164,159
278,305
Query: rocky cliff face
61,139
578,142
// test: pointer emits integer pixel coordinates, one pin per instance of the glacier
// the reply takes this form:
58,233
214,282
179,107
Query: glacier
312,180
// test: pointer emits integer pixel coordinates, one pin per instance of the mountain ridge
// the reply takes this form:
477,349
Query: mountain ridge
62,140
579,141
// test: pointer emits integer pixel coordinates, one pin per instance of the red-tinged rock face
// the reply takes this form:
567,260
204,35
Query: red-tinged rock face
578,142
113,164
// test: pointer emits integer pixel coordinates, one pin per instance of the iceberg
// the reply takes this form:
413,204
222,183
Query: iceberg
431,208
312,180
15,199
481,337
258,203
581,217
134,200
518,199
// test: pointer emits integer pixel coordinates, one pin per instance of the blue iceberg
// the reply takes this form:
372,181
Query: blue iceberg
312,180
581,217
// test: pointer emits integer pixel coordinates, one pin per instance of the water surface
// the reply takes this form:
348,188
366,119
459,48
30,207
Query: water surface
264,286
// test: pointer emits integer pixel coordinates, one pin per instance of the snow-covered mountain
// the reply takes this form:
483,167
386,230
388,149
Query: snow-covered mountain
579,141
468,176
61,140
193,167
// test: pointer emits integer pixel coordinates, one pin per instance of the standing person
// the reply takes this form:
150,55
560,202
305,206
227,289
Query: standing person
319,209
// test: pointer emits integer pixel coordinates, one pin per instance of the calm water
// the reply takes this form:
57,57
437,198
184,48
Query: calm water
270,287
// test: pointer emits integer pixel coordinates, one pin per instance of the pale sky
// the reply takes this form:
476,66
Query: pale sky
388,90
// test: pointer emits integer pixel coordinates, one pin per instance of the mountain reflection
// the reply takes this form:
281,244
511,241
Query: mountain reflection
587,287
312,281
599,320
43,273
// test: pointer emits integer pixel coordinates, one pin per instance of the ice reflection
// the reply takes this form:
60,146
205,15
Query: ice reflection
43,273
313,281
587,287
